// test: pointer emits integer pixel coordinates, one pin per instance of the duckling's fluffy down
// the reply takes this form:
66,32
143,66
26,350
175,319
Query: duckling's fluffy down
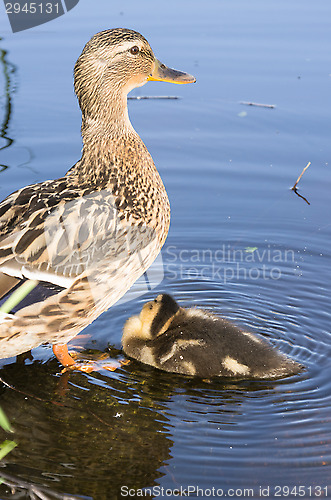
198,343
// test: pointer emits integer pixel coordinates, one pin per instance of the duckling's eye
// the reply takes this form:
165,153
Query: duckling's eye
134,50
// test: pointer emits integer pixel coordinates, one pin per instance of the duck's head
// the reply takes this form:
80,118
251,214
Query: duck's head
114,62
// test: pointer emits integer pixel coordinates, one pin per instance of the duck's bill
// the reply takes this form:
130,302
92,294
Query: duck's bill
162,73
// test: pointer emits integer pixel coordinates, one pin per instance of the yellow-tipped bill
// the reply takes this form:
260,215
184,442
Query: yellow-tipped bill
162,73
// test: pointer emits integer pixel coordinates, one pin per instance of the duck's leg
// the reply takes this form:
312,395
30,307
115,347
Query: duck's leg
66,360
62,354
61,317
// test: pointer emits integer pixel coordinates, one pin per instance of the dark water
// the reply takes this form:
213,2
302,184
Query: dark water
241,243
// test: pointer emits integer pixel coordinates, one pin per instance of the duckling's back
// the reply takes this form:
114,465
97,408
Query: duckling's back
200,344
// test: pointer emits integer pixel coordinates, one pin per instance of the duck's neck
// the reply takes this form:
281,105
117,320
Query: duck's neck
111,146
115,159
109,121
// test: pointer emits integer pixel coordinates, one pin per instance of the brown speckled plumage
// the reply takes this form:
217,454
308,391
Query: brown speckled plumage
94,231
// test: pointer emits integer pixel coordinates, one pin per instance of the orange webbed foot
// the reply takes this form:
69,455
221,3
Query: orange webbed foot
71,362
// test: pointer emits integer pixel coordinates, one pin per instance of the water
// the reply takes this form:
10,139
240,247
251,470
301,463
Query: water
241,244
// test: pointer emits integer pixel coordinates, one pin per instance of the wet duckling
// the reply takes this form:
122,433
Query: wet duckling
197,343
94,231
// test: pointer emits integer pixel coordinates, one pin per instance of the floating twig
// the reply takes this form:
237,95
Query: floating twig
300,196
30,395
32,490
294,188
295,185
140,97
258,104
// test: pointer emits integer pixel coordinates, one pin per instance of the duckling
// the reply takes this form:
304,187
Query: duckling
94,231
198,343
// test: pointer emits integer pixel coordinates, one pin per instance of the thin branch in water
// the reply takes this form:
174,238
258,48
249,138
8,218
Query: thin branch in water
294,188
140,97
29,395
258,104
300,196
296,183
35,491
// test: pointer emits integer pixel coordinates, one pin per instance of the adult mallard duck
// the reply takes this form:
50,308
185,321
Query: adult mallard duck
198,343
93,232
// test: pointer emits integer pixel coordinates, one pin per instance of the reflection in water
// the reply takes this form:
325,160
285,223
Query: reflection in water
18,489
300,195
6,105
83,441
90,435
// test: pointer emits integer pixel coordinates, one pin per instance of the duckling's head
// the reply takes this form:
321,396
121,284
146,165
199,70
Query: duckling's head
114,62
156,314
154,318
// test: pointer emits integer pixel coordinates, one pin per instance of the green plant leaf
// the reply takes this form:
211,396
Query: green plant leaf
6,447
250,249
4,422
17,296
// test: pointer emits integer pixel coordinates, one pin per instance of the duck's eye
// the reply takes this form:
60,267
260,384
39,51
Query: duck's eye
134,50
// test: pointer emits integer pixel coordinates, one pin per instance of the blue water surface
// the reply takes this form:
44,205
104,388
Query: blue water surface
241,243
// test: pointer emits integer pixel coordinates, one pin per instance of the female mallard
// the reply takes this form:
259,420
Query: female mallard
197,343
93,232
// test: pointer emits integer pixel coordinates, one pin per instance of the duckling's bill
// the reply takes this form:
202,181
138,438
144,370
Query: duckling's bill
162,73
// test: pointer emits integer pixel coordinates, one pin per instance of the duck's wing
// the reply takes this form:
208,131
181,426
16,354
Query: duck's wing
86,245
7,283
23,204
24,223
55,235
